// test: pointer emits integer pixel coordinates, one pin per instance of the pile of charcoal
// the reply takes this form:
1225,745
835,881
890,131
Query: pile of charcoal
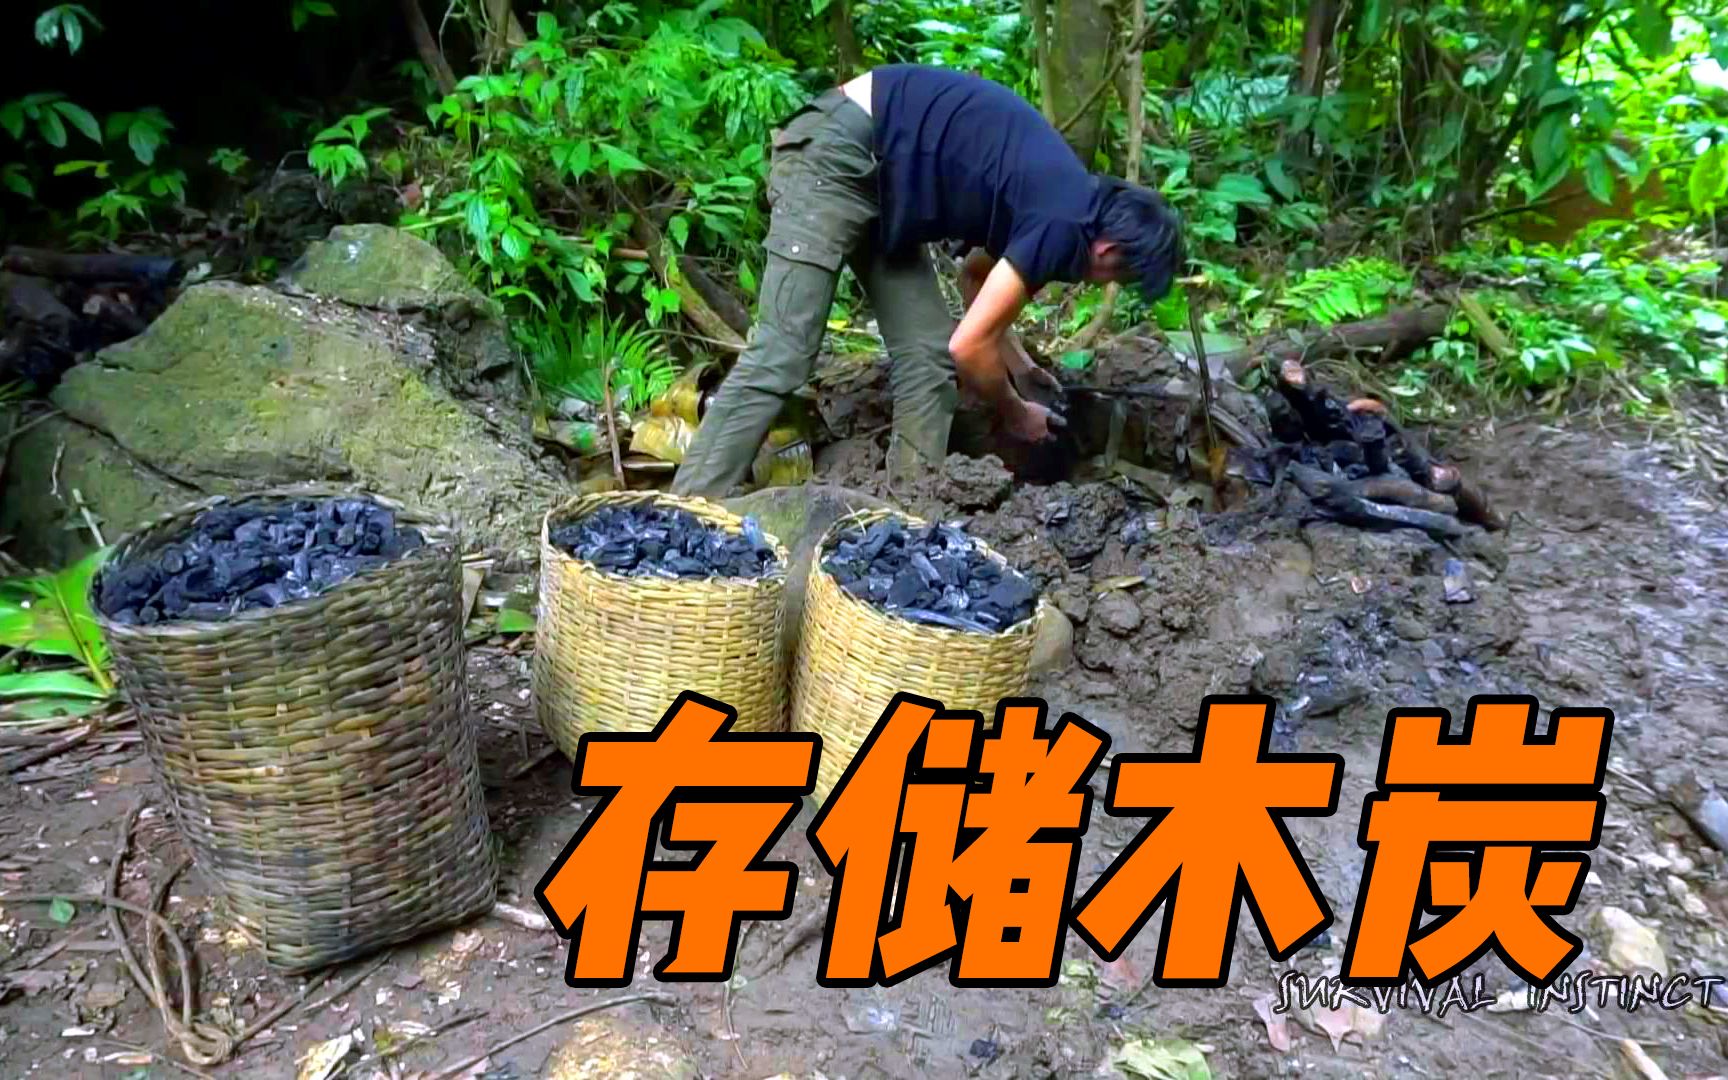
1356,465
936,574
666,542
261,555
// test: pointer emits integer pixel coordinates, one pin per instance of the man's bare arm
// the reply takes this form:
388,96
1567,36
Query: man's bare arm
981,358
974,270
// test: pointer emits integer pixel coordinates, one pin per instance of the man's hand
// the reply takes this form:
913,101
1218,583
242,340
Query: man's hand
1031,422
1032,380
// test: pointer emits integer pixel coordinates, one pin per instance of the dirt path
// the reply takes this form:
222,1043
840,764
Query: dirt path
1613,596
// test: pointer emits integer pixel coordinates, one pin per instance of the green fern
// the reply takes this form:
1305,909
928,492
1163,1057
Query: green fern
568,356
1355,289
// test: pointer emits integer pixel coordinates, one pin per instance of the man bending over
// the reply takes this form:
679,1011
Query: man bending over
867,174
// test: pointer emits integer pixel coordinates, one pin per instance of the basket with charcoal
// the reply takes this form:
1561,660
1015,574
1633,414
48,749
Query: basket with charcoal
645,540
934,574
259,555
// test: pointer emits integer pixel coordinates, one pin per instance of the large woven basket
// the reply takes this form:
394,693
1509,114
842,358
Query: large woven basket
612,653
853,659
318,756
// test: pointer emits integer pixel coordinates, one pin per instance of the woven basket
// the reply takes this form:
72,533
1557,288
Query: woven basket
318,756
612,653
853,659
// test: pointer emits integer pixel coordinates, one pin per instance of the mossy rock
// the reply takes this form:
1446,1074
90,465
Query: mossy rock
382,267
237,387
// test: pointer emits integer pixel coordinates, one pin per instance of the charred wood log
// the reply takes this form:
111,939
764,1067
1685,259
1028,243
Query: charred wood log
92,268
1346,501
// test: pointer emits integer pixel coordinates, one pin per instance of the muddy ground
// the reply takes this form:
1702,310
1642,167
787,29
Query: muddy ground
1613,594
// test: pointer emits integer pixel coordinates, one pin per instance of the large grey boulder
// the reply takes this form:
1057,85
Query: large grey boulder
238,387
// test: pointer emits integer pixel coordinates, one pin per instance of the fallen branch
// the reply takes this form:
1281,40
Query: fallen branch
692,304
1395,334
527,920
654,996
64,266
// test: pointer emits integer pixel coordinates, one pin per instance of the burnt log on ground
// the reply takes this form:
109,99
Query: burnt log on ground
58,306
155,270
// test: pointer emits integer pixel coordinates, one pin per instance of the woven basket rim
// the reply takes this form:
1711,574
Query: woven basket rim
1024,626
441,539
728,521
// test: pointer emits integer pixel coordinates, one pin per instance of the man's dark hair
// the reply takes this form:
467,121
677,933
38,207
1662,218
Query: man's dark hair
1148,231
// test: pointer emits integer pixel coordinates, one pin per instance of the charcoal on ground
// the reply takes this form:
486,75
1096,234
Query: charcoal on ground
254,555
935,574
665,542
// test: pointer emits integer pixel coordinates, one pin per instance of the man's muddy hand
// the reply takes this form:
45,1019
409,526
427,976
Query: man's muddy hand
1034,381
1032,422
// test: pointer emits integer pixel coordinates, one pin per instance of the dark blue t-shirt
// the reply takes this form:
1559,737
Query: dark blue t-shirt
964,158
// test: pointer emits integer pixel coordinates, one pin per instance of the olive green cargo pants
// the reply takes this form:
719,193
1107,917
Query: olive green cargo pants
822,194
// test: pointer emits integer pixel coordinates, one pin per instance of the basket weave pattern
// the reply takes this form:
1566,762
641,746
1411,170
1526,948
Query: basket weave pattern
318,756
611,653
853,659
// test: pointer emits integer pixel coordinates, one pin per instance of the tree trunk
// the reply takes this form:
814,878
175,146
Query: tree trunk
503,33
1082,44
427,46
849,59
1039,13
1311,74
1134,101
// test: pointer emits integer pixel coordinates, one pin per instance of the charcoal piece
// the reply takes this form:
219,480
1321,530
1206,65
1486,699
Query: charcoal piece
927,572
908,587
1371,435
955,622
1012,593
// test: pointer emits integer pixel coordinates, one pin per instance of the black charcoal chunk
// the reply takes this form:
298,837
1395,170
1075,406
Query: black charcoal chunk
936,574
670,542
254,555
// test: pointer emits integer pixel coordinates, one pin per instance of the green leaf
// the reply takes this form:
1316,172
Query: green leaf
1653,28
144,140
49,684
512,621
1708,321
19,183
1444,140
53,130
81,119
679,227
1551,145
1162,1059
1076,359
817,7
1281,182
62,911
1623,161
1375,15
1597,179
621,162
1242,188
479,221
1709,178
1556,96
